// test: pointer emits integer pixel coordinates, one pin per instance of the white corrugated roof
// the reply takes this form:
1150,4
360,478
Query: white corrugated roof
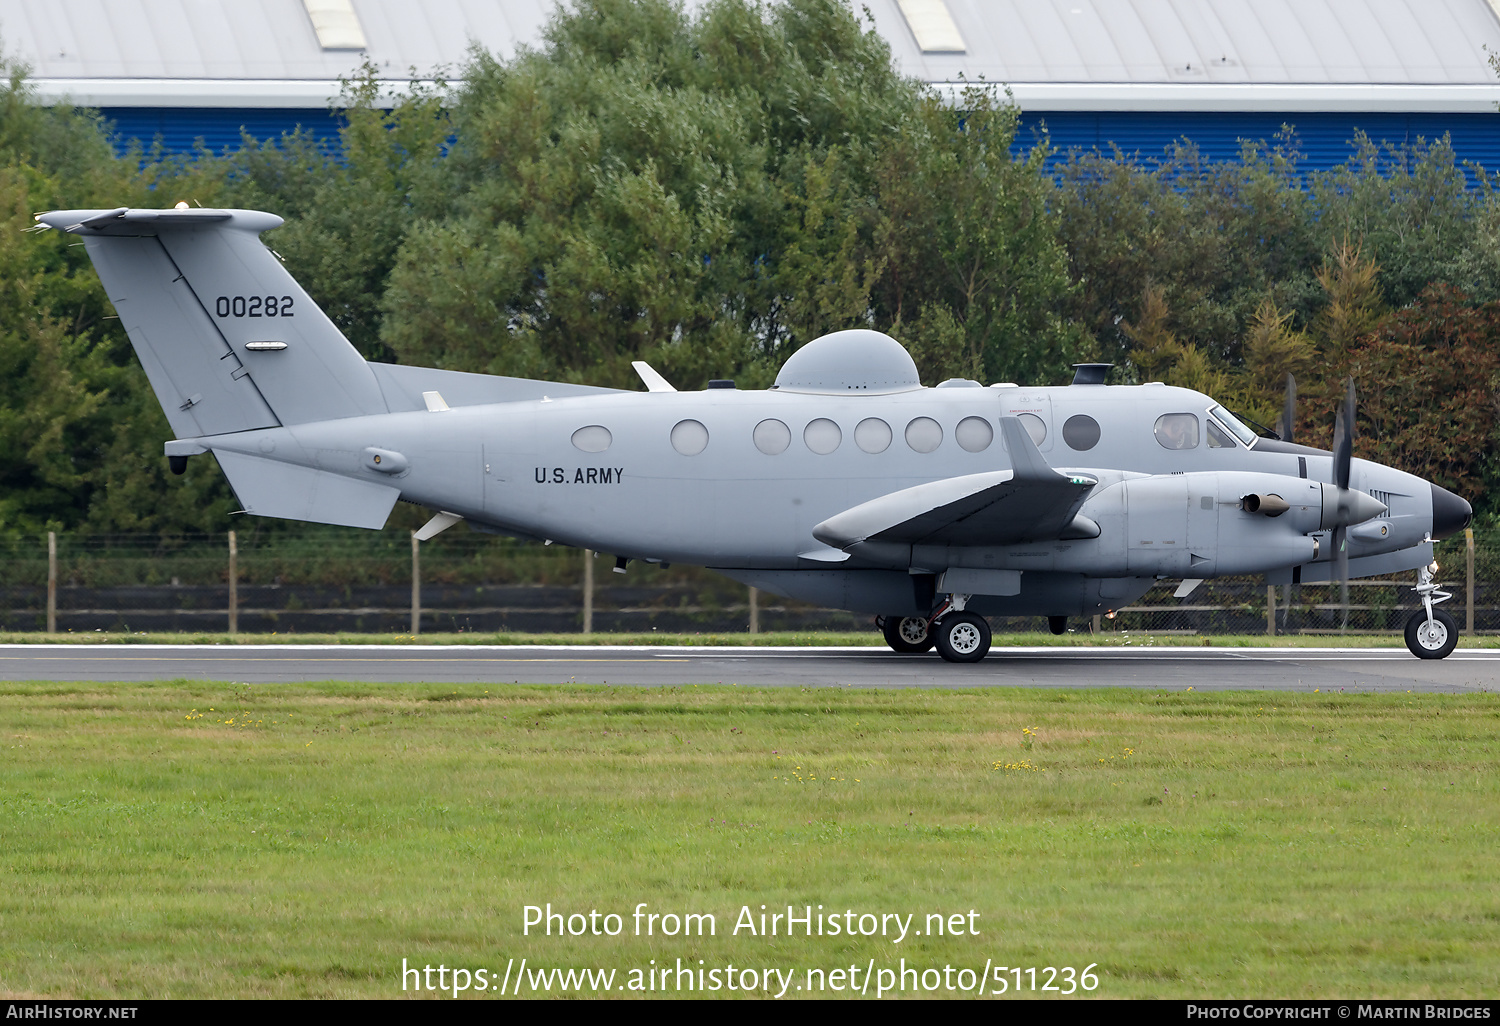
1347,42
1394,55
256,39
1055,54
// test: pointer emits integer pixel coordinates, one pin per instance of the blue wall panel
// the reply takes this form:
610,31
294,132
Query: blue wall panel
1324,140
181,127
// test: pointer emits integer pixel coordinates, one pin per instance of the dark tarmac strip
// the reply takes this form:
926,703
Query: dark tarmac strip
1203,669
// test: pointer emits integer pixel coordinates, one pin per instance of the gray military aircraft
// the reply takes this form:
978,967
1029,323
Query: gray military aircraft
847,483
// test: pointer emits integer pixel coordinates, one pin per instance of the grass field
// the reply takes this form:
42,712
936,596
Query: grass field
198,840
784,638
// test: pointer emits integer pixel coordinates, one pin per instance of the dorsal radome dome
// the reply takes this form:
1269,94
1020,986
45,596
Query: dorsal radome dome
858,360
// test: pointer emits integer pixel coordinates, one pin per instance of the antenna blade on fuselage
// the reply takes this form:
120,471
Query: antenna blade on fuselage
654,381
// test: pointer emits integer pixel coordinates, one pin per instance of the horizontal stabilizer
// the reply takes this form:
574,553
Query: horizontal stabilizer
268,488
405,388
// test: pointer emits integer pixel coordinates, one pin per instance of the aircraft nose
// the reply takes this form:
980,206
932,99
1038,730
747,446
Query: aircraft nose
1450,514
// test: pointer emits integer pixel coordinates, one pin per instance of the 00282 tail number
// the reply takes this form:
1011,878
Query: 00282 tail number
253,306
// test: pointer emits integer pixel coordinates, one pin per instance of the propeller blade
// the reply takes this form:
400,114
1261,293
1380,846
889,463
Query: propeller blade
1289,409
1341,560
1343,458
1343,440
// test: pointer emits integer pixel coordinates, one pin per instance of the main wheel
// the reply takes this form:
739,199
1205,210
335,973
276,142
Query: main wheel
1431,639
906,633
962,637
1057,624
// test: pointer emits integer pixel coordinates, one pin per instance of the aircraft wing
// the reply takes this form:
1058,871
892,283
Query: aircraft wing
1029,502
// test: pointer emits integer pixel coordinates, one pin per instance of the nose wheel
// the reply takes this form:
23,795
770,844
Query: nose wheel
907,634
962,637
1430,634
1431,638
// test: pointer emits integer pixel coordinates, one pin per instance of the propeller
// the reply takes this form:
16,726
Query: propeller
1348,507
1286,430
1288,410
1343,454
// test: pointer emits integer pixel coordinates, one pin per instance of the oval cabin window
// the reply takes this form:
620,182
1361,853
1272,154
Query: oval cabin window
1081,432
772,437
924,434
689,437
974,434
873,435
594,438
822,436
1035,426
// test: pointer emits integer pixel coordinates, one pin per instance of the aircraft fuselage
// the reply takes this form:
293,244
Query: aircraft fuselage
724,502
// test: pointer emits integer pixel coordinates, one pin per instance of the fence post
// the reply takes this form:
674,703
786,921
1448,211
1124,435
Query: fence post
1469,574
754,610
234,586
416,585
1271,609
51,582
588,591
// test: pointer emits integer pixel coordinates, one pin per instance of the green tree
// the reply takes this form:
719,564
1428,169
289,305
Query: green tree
970,247
349,208
80,427
709,193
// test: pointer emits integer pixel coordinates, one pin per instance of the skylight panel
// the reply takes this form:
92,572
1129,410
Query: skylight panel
336,24
932,24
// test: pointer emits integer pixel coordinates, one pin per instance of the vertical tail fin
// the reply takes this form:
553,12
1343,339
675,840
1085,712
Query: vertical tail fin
228,339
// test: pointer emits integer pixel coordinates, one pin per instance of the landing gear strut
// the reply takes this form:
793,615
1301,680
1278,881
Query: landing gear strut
1430,634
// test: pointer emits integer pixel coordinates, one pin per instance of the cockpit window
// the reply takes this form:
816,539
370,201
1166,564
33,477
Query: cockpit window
1177,431
1232,422
1218,438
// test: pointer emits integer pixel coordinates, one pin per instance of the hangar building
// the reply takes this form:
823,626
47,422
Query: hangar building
1135,73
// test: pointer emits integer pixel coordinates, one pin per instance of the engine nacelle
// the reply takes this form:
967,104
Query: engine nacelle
1198,525
1172,525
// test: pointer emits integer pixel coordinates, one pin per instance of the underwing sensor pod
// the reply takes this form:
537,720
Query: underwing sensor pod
847,483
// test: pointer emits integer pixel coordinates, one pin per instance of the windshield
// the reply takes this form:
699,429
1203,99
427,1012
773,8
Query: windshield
1232,422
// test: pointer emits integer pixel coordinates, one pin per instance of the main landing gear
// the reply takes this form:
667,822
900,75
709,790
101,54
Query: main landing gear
1430,634
906,634
959,636
962,637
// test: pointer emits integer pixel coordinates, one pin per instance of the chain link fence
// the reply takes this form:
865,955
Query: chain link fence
318,580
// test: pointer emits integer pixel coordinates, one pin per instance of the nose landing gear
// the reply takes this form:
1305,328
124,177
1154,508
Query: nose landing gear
1430,634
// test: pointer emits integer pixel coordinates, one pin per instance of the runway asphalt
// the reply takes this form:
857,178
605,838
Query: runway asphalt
1204,669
